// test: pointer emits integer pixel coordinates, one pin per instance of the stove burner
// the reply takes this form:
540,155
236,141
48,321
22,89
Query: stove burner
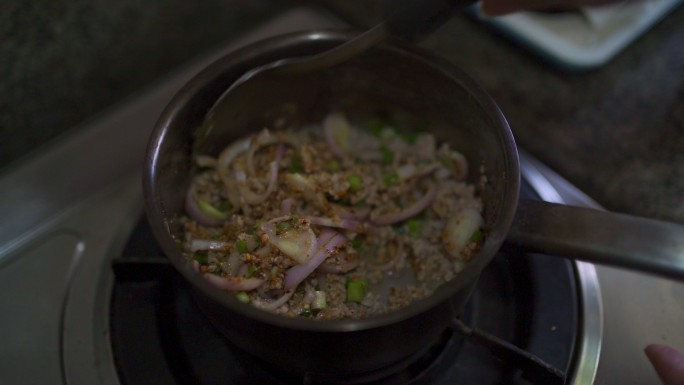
530,301
422,368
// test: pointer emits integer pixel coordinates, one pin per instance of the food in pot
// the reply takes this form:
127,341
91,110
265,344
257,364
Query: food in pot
332,221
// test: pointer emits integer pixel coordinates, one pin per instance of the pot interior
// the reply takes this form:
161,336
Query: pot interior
395,81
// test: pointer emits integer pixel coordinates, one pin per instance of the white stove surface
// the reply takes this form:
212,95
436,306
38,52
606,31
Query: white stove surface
67,212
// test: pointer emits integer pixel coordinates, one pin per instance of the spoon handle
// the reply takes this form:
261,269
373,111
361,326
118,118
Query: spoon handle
414,19
336,55
410,19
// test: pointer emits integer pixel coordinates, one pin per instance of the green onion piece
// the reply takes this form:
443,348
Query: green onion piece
251,270
334,166
388,133
339,200
390,179
414,226
354,183
296,165
226,206
241,246
259,242
410,137
202,258
207,209
387,155
399,202
306,313
356,243
319,301
356,290
283,226
242,297
376,126
477,236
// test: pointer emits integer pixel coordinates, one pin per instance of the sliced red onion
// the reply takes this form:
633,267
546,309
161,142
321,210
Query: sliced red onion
334,126
205,161
414,209
280,152
275,304
231,152
269,227
207,244
427,169
459,229
348,224
251,197
454,161
225,160
234,283
234,263
333,268
410,170
356,212
309,294
295,275
442,173
195,213
262,139
459,165
264,251
286,206
425,146
298,244
407,171
324,238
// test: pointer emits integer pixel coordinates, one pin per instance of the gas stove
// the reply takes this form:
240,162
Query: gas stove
89,299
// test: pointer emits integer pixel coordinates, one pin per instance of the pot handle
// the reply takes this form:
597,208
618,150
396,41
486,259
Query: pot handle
600,237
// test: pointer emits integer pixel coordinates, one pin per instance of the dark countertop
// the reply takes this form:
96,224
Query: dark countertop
64,62
617,132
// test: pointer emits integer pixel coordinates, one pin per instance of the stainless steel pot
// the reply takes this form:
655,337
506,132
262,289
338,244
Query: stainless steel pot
419,90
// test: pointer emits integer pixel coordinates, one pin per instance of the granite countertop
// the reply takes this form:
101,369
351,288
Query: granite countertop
63,63
617,132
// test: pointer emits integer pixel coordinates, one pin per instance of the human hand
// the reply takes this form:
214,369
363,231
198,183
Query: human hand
668,363
500,7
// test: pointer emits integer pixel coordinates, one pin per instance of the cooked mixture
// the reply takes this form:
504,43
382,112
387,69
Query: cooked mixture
332,222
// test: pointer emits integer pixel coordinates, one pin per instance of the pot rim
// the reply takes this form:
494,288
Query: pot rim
205,77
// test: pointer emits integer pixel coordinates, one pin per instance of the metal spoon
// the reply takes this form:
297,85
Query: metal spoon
409,19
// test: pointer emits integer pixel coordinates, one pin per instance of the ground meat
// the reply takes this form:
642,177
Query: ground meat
332,222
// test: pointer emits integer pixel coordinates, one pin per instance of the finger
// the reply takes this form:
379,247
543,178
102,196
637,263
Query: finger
668,363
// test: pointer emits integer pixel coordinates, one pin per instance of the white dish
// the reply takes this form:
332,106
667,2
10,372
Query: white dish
582,39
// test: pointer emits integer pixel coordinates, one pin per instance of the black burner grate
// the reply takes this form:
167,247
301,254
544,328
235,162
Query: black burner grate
160,336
